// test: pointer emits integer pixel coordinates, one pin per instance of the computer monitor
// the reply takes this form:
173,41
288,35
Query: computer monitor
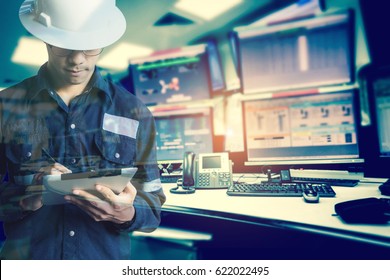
217,78
171,76
377,137
233,44
308,53
299,130
181,130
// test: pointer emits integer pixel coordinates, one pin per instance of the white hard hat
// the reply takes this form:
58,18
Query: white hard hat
73,24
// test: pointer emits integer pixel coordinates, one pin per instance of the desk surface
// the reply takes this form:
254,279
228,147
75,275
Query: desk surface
288,212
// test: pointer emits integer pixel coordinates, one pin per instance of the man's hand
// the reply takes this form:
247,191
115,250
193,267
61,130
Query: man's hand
32,200
107,206
53,169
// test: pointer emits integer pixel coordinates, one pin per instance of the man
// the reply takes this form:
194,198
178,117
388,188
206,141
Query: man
83,122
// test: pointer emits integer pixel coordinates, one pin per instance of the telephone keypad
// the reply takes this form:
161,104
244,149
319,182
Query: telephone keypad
222,179
204,179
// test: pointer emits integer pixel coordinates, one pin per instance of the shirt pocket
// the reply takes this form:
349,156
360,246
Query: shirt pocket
18,153
20,159
116,150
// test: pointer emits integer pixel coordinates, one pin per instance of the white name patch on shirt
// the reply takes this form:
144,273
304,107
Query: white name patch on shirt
120,125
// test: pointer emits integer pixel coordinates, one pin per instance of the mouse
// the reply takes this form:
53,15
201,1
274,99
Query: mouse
311,196
385,188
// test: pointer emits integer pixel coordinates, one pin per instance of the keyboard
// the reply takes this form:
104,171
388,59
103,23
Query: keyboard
330,181
280,189
170,179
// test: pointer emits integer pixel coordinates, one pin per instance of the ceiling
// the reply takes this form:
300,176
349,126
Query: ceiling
141,16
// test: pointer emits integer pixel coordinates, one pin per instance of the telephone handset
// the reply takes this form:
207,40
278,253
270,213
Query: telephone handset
188,169
186,184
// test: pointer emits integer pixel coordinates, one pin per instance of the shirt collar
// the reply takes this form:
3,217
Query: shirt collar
97,81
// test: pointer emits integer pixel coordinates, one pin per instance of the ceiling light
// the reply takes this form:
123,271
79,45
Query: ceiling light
118,57
30,51
206,9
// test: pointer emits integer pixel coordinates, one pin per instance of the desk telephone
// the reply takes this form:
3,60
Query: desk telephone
210,171
213,170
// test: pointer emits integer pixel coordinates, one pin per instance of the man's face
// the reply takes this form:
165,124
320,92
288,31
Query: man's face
71,67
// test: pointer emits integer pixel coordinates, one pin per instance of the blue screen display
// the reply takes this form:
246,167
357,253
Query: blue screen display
172,77
185,130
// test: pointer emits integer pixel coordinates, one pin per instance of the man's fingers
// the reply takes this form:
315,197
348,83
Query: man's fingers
61,168
56,168
130,189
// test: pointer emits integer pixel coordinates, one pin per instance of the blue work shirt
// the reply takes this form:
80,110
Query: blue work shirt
103,128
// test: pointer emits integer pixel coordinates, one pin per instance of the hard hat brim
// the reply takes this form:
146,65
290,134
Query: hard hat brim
73,40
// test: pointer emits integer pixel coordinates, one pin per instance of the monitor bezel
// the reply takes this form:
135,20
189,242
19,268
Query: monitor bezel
234,51
375,165
212,42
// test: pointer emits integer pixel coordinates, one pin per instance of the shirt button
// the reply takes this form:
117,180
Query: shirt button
28,154
71,233
117,155
72,126
73,161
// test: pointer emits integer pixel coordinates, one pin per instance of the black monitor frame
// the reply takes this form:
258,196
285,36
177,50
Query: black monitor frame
217,75
234,50
376,164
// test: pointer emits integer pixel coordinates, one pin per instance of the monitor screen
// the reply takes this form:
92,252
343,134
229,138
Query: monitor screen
382,114
316,128
377,139
183,130
313,52
211,162
171,76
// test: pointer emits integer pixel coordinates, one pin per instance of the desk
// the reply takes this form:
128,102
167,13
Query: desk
289,218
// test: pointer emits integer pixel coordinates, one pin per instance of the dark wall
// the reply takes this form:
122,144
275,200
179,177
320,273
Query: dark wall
376,19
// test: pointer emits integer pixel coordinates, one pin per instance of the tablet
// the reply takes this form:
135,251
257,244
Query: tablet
64,184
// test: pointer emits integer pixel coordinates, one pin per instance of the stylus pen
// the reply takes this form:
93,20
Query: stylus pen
52,159
48,155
